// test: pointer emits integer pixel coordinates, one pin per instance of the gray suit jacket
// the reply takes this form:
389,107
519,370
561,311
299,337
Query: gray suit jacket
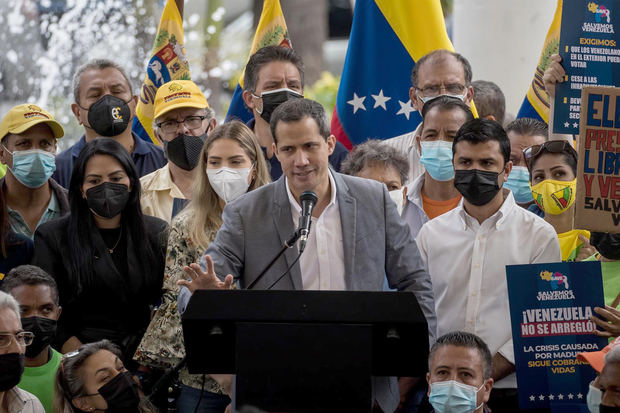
376,243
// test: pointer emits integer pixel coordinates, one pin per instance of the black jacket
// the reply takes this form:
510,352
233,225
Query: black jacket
113,306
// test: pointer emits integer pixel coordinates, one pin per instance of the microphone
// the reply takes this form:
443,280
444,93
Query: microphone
308,200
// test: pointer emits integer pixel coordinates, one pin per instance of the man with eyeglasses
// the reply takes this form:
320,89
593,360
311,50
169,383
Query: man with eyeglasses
105,105
13,342
438,73
183,119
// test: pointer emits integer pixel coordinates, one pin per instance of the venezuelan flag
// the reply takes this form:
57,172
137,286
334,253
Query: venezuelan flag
271,30
168,62
387,38
536,102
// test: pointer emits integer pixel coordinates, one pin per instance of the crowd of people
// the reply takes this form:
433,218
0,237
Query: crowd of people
103,244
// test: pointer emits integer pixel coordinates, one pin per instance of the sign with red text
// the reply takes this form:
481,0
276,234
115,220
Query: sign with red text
597,203
550,310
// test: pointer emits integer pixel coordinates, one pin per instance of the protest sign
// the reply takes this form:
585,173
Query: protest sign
590,56
550,310
597,203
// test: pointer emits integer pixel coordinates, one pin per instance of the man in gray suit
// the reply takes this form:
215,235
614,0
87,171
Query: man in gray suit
356,239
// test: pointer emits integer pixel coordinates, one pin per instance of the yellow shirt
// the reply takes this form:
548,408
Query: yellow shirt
158,194
570,244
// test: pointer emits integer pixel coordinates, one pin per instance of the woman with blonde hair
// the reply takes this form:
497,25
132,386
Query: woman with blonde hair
231,164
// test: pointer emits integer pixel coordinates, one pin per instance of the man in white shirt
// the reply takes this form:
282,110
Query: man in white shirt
439,72
467,249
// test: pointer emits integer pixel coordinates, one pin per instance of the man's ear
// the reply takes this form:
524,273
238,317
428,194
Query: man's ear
331,144
212,124
248,100
75,108
414,99
4,153
469,96
418,146
507,170
488,385
428,380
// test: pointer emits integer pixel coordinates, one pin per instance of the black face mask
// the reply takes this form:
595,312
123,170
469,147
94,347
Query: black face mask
274,98
608,409
109,116
121,394
608,245
184,150
107,199
11,368
44,330
477,187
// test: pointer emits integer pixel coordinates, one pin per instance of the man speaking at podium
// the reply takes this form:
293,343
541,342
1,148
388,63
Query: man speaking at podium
356,237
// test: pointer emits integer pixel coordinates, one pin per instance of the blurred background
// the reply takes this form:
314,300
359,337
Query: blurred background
42,42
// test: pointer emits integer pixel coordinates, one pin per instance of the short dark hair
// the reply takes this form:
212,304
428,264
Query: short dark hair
29,275
294,110
468,340
490,100
446,103
96,64
528,126
483,130
438,56
266,55
373,152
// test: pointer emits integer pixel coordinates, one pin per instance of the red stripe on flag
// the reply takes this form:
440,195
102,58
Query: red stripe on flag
338,131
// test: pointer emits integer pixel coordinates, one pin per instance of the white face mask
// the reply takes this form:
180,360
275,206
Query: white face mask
229,183
398,198
594,399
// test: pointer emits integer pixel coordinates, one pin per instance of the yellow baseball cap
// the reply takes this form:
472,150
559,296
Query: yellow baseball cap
23,117
178,94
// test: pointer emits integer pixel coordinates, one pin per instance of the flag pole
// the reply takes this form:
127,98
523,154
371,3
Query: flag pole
180,6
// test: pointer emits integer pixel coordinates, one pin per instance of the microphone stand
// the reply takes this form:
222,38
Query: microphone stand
287,244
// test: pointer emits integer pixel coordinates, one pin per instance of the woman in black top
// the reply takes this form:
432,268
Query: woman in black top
107,258
15,249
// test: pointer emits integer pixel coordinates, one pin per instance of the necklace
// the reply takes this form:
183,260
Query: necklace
120,234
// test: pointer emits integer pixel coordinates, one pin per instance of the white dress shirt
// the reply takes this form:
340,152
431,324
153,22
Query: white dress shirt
322,262
467,264
406,145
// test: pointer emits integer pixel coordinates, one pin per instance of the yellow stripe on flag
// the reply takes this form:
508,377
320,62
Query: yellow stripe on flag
168,62
271,30
420,27
536,94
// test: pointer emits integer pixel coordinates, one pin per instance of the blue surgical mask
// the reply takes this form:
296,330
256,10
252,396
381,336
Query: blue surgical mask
437,159
32,167
594,399
453,397
519,183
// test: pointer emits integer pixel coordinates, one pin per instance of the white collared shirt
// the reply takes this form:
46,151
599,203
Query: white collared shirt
322,262
467,264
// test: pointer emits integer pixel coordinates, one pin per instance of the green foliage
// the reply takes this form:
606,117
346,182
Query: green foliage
161,38
324,91
272,37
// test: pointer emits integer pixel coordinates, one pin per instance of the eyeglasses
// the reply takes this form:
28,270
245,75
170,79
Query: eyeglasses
190,122
23,338
435,90
555,146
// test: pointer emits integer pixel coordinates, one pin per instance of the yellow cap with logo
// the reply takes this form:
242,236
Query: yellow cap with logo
178,94
23,117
